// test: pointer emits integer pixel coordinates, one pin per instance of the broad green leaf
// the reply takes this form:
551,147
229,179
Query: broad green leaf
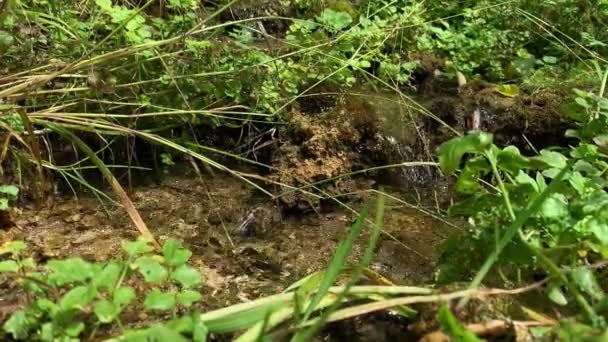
105,5
151,269
69,271
524,178
74,329
108,277
452,328
181,325
186,276
468,180
4,203
106,311
13,247
187,297
508,90
601,140
452,151
555,293
578,182
598,228
582,102
10,190
175,254
333,20
552,159
123,296
550,59
511,160
9,266
554,207
586,280
135,248
76,298
19,325
160,332
157,300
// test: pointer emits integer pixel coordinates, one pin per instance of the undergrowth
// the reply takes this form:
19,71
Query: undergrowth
103,75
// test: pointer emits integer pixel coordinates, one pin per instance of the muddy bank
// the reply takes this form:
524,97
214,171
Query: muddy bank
205,214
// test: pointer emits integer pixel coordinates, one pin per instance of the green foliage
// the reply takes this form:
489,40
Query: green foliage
7,193
567,228
63,290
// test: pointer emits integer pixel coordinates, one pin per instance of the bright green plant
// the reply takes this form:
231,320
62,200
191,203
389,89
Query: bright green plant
62,290
546,211
7,193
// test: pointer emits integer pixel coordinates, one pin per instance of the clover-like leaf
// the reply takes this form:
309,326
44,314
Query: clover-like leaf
69,271
9,266
106,311
187,297
19,325
135,248
552,159
108,276
151,269
175,254
161,301
123,296
452,151
586,280
10,190
186,276
76,298
335,20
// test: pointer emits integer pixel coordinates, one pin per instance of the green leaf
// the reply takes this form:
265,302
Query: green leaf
76,298
160,332
508,90
186,276
511,160
10,190
124,296
468,180
552,159
108,277
69,271
19,325
105,5
200,330
74,329
151,269
554,292
452,328
335,21
135,248
452,151
554,207
160,301
550,59
175,254
9,266
4,203
187,297
13,247
106,311
586,280
523,178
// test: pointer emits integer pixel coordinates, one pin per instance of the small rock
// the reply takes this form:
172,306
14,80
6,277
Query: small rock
73,218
